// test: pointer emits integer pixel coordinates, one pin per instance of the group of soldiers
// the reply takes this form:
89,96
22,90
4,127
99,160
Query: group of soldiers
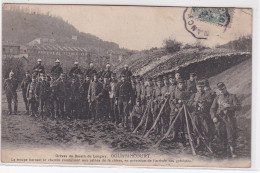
125,98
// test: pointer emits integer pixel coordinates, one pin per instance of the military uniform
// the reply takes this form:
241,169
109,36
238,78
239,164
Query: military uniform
148,95
32,97
94,98
43,91
74,101
136,114
124,94
223,108
26,81
105,99
90,72
199,106
38,69
138,89
191,86
57,70
54,102
75,71
10,87
107,73
63,93
113,107
160,95
127,73
179,97
83,94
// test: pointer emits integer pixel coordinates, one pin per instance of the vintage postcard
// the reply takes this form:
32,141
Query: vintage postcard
126,85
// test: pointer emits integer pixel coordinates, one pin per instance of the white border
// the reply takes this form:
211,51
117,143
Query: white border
206,3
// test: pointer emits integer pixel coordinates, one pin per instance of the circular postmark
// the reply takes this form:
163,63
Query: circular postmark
201,22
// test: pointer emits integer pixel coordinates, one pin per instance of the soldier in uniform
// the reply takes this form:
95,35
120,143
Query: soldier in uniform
177,76
200,107
54,102
138,88
39,68
63,91
75,70
85,97
26,81
32,96
124,94
148,95
165,116
160,94
172,86
94,97
126,72
181,96
107,72
210,93
223,114
105,98
90,71
136,114
191,83
10,87
57,69
74,98
43,91
112,94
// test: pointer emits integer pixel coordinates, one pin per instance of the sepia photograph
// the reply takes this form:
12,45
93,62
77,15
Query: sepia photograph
126,85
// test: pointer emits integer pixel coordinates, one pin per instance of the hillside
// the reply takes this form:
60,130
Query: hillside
21,28
238,80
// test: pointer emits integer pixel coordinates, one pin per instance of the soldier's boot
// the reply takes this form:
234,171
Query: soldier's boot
15,107
232,152
9,109
27,110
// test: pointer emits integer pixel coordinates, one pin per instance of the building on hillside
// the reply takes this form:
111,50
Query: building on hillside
40,41
67,55
10,49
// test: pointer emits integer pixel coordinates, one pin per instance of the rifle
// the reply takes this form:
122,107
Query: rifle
143,118
203,139
170,128
157,119
188,129
147,119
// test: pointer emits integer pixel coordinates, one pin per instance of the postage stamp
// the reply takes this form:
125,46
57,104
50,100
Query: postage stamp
196,20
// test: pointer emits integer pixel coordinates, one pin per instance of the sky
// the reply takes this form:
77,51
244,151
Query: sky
139,27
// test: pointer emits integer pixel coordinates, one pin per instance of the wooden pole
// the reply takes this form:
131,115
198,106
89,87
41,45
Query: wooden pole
188,129
157,119
170,128
143,118
203,139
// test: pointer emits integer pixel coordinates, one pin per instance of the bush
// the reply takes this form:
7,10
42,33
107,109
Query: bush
172,46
